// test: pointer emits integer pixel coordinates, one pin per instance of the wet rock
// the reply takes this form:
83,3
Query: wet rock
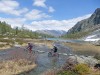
83,59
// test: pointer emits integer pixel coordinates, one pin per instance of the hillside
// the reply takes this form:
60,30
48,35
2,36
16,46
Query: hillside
7,31
55,33
91,23
85,27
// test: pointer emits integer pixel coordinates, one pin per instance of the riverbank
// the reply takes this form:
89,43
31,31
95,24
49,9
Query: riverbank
45,63
12,67
78,48
15,61
83,48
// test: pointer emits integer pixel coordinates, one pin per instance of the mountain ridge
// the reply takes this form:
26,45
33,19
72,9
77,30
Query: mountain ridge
56,33
85,25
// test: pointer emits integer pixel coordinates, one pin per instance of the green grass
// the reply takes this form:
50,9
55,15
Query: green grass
6,40
78,69
76,35
84,49
2,45
67,73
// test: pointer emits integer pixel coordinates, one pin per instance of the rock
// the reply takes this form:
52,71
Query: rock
83,59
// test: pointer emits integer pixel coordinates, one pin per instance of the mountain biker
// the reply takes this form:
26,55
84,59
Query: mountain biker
55,51
30,47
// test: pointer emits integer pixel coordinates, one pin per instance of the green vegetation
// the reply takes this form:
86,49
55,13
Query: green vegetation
76,35
1,45
4,28
67,73
97,56
9,36
84,49
6,40
7,31
81,69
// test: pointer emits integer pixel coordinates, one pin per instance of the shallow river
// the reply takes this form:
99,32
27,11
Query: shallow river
43,61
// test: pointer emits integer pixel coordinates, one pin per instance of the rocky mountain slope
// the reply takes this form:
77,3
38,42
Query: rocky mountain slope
90,24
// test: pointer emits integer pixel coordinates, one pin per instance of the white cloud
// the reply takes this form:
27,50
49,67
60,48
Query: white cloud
36,14
56,24
51,9
39,3
46,24
11,7
14,21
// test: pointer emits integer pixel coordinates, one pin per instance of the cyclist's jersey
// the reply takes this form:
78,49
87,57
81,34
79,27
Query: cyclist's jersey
30,46
55,49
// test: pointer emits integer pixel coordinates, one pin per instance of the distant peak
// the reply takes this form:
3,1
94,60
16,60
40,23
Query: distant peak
97,10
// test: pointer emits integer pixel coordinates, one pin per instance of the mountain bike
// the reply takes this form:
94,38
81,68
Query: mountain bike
52,54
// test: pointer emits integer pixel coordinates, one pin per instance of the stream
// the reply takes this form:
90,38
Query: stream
44,62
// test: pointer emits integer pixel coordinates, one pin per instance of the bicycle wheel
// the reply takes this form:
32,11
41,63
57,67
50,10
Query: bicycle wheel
49,54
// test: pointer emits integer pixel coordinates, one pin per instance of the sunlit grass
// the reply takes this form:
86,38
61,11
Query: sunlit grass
12,67
85,49
16,62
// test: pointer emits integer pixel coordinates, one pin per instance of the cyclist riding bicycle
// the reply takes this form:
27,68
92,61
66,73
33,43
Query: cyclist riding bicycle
30,46
53,52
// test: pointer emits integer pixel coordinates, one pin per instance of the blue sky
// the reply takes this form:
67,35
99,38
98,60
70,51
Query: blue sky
46,14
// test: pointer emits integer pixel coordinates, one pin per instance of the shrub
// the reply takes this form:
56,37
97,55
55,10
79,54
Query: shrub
81,69
97,56
2,45
20,41
67,73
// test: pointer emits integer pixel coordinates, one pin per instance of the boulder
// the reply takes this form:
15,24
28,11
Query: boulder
83,59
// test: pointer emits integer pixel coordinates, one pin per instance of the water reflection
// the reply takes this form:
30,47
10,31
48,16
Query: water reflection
54,61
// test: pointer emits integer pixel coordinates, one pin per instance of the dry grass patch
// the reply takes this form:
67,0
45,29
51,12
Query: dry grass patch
86,48
43,42
17,61
50,72
12,67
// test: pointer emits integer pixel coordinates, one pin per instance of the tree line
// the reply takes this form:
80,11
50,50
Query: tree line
21,32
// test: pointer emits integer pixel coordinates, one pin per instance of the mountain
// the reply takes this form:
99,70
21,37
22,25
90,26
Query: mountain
94,36
52,32
86,27
90,24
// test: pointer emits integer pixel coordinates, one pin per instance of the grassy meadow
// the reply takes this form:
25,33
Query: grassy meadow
85,48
